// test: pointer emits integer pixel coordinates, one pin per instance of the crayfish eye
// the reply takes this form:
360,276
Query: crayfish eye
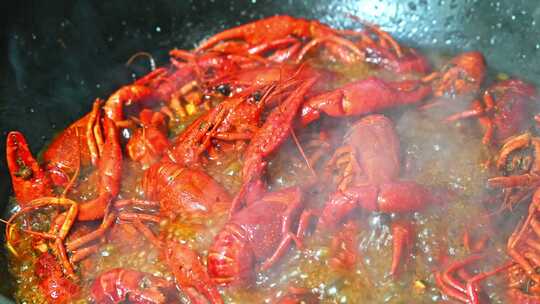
257,96
224,89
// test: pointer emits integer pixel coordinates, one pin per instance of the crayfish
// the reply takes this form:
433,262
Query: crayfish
199,143
371,181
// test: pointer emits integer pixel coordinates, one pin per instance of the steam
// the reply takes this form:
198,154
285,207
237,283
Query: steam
437,154
451,156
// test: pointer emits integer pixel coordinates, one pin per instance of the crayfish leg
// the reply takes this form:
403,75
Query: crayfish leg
190,274
402,235
281,250
110,171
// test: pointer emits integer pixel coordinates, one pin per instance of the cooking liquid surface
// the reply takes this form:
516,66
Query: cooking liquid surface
436,154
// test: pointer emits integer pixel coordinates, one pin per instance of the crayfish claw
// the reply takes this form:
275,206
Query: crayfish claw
190,274
29,180
402,234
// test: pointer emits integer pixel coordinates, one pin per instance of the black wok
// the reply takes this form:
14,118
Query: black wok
57,56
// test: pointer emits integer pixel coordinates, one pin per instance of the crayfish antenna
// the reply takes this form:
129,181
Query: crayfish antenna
142,54
301,150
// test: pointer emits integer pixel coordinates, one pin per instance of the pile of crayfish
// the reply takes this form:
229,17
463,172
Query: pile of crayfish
254,168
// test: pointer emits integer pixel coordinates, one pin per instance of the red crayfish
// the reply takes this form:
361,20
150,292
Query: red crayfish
371,180
118,285
463,75
182,190
504,110
256,237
